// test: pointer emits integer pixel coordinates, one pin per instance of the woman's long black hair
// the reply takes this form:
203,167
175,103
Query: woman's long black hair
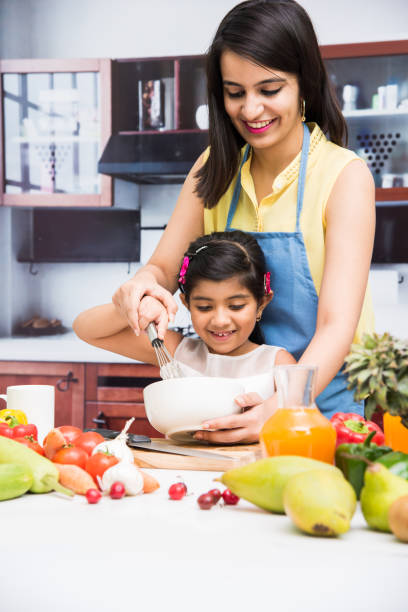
277,34
227,255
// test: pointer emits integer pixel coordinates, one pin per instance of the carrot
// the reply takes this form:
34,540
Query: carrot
52,443
75,478
150,483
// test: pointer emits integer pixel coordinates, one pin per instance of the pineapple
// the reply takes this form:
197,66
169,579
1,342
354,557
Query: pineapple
378,370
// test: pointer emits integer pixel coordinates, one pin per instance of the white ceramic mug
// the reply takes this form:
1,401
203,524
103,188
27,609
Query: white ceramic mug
37,402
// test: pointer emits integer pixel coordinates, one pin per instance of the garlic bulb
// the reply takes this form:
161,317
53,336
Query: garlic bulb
127,474
117,447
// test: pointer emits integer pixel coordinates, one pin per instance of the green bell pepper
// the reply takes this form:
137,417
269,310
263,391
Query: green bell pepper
396,462
350,459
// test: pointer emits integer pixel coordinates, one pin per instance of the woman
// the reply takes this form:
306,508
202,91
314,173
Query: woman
309,202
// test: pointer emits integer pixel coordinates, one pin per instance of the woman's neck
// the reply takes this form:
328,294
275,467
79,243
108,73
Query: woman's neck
267,163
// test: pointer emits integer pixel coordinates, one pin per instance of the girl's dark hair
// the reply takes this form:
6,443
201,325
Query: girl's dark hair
226,255
277,34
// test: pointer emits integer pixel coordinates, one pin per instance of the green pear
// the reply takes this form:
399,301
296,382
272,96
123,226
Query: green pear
381,489
262,482
320,502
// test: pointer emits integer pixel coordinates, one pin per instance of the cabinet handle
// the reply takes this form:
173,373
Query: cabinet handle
100,420
63,383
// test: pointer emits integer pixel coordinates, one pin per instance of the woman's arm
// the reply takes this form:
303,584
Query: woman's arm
104,326
158,278
349,242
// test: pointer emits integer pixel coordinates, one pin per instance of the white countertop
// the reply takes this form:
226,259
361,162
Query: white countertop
62,347
151,553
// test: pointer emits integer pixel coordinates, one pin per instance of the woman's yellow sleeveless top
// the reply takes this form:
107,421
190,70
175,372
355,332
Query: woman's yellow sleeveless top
277,211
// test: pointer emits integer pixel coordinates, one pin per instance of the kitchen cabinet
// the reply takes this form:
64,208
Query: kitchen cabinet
55,118
114,394
67,378
109,393
371,82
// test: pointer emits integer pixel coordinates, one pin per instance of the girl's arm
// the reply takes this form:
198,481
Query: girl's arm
104,326
284,358
158,277
349,242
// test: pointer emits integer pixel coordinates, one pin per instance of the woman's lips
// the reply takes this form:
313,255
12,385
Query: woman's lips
257,127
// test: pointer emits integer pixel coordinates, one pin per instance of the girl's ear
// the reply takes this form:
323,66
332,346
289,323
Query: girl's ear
264,302
184,301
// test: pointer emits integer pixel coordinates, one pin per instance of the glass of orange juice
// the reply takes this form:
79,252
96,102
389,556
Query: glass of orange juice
297,427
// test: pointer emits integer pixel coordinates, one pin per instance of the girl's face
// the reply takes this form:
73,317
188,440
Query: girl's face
263,104
223,314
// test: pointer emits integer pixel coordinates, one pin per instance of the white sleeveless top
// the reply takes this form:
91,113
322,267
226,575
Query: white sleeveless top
195,360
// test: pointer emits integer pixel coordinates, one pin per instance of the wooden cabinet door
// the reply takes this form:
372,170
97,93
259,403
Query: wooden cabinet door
114,394
67,378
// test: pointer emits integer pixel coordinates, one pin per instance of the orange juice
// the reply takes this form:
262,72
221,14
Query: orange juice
396,434
301,430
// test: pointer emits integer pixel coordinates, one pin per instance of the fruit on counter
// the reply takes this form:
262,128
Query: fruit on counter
320,502
6,430
15,480
75,478
93,496
45,473
381,489
216,493
12,417
117,490
398,518
229,497
88,441
396,462
96,465
72,455
205,501
352,458
19,431
126,473
177,491
31,443
53,442
352,428
262,482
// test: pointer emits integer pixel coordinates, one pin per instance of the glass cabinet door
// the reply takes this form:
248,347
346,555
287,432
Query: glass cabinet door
373,94
53,127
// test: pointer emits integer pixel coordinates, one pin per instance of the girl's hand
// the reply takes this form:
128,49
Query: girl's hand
151,309
241,428
128,297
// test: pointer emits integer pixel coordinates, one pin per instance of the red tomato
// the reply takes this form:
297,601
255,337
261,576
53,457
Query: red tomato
71,455
69,432
6,431
88,441
19,431
98,463
31,443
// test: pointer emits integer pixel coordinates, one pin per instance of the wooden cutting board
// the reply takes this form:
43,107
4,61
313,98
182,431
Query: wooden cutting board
170,461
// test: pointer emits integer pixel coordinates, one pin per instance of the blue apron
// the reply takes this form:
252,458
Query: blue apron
290,319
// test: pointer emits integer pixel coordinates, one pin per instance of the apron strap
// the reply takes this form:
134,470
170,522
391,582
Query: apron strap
302,174
237,191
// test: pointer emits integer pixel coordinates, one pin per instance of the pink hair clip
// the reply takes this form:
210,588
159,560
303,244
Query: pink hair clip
183,270
267,283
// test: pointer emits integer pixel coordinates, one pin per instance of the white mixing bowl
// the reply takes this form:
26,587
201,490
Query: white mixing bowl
177,407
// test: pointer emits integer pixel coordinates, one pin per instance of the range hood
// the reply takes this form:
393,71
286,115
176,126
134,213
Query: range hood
151,158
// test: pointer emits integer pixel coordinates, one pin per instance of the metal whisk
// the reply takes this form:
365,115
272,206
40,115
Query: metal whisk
169,368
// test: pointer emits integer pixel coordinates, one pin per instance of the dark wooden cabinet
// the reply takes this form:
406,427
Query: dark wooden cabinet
67,378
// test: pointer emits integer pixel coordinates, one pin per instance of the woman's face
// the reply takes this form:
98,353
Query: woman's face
263,104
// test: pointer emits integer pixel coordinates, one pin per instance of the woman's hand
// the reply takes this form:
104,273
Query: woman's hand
128,297
241,428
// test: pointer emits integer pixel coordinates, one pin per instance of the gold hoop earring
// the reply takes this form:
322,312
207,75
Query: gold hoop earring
303,110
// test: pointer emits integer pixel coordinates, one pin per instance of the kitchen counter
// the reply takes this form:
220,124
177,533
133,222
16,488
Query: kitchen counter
62,347
149,552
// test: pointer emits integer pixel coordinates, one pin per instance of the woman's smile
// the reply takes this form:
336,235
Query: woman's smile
257,127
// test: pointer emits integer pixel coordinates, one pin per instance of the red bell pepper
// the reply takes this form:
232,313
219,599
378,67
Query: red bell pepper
353,428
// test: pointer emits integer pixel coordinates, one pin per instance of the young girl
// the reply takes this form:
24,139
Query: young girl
225,286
